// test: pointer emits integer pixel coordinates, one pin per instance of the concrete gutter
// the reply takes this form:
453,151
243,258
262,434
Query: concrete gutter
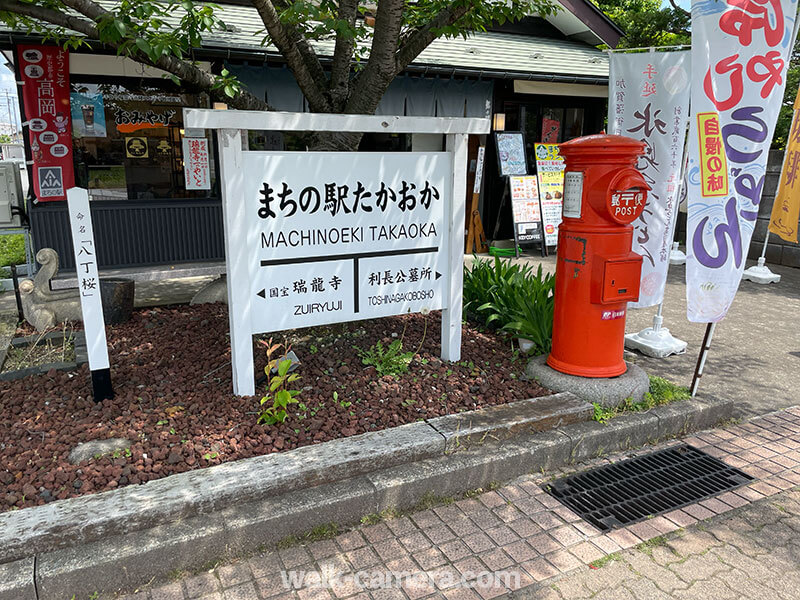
120,539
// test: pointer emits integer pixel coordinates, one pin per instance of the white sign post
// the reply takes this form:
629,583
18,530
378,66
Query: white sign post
80,220
324,237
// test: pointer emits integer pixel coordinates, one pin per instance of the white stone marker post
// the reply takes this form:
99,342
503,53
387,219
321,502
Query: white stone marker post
94,327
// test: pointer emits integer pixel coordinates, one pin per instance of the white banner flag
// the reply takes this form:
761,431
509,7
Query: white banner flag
740,57
649,101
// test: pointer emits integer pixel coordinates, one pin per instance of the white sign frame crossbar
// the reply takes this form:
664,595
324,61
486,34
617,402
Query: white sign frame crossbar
230,124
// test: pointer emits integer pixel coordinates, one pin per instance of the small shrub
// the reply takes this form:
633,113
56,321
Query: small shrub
12,250
661,392
389,360
664,392
277,387
512,298
602,414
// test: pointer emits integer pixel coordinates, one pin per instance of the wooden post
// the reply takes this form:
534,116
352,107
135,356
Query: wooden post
451,316
238,265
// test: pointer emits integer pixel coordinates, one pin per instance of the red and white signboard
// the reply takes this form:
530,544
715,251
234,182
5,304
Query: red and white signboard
196,165
45,97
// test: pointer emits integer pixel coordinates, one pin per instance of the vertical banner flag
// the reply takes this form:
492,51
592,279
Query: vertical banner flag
786,209
741,52
46,98
649,101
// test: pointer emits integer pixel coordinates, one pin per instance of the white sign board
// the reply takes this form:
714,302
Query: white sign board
196,166
314,238
80,221
338,238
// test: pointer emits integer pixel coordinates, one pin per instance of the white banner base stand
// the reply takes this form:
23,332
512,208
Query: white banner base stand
676,255
655,341
760,273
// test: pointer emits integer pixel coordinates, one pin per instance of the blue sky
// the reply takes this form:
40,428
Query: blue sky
687,4
6,84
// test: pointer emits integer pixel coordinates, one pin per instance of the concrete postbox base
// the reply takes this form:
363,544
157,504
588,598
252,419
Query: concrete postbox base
609,392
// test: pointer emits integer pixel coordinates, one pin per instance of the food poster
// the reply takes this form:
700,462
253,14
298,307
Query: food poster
88,115
550,173
525,208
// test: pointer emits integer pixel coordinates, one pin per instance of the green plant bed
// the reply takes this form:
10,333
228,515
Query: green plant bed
12,250
661,392
513,298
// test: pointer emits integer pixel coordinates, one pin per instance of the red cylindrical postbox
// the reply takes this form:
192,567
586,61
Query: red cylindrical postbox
597,273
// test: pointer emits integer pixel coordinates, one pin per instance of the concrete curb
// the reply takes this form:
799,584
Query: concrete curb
188,523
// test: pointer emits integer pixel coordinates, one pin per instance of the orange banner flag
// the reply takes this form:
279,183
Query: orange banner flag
786,209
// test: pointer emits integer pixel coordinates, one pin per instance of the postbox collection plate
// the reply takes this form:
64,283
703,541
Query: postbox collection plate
573,194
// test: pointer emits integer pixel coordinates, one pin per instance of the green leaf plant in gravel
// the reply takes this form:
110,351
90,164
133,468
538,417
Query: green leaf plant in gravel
661,392
277,386
391,360
513,298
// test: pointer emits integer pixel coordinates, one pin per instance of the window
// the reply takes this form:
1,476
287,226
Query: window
127,140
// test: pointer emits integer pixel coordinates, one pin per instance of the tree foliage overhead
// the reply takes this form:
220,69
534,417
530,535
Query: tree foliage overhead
373,42
648,23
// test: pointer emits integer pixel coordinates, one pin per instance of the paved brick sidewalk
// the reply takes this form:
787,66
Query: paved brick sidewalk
748,548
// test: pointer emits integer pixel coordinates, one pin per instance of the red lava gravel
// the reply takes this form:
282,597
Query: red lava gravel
171,373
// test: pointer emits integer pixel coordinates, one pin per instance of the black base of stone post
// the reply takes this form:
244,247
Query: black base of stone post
101,385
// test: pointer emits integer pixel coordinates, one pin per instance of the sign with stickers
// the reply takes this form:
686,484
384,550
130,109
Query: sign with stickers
511,153
46,99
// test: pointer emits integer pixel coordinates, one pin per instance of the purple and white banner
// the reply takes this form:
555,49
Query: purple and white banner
741,52
649,101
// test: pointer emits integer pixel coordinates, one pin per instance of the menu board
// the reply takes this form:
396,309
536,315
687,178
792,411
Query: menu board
550,172
525,208
511,153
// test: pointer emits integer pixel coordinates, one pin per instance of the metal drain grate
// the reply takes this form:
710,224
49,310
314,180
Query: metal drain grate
638,488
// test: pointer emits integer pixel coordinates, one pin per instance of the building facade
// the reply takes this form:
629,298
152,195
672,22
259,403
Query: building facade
545,76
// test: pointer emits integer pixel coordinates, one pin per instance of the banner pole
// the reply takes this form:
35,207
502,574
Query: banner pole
701,358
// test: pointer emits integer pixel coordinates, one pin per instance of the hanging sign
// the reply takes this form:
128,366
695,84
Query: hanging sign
80,221
511,153
786,208
525,209
739,65
649,101
45,96
551,129
339,239
196,165
130,120
550,172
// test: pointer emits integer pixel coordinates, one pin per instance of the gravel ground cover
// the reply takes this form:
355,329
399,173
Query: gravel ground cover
171,372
